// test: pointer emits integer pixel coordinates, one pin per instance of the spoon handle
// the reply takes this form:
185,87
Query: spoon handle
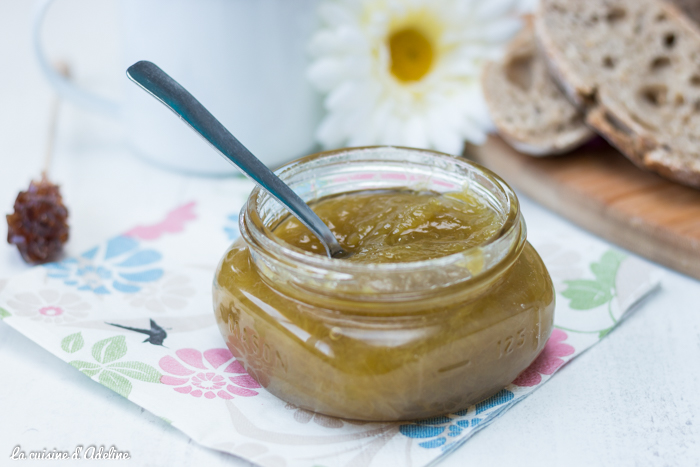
169,92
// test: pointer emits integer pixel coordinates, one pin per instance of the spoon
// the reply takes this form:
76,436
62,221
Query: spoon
170,93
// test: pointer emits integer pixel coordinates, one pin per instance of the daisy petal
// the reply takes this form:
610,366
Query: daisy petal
456,68
491,9
342,96
330,132
327,73
339,41
498,31
415,134
472,134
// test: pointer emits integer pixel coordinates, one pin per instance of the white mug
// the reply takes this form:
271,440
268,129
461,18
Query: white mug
245,60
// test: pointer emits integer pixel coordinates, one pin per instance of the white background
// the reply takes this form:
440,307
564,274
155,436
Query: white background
634,399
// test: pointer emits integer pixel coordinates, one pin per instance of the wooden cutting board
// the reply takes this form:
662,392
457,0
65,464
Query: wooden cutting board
597,188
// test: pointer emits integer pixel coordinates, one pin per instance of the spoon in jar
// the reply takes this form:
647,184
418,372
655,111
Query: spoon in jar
170,93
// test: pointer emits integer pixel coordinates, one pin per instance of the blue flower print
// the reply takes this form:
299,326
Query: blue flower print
438,432
119,265
231,227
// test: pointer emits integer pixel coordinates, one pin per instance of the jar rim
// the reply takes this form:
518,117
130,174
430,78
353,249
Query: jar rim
255,231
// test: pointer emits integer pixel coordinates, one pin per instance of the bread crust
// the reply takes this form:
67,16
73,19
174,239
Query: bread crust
609,114
559,129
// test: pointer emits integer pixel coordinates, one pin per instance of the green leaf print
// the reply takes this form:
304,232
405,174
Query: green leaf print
137,370
587,294
109,350
115,382
89,369
111,372
606,270
4,313
72,343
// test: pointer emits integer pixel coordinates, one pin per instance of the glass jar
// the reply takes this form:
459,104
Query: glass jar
393,341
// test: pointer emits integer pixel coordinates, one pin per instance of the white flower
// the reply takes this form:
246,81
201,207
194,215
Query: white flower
49,305
406,72
172,292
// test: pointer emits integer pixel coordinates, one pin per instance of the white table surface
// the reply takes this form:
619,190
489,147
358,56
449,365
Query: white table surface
634,399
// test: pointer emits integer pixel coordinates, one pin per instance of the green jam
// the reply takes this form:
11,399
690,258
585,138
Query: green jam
374,358
398,226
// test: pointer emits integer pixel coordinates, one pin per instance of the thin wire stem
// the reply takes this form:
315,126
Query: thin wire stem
63,69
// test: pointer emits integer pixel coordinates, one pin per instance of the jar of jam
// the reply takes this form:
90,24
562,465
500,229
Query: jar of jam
449,317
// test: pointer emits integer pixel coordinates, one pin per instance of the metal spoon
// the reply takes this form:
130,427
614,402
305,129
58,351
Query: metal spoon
169,92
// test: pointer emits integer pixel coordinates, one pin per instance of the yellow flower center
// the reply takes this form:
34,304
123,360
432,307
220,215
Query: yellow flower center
411,55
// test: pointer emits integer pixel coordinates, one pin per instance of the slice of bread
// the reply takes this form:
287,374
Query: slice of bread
690,7
633,66
527,107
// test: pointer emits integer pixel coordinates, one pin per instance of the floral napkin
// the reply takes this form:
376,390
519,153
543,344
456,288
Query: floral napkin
135,314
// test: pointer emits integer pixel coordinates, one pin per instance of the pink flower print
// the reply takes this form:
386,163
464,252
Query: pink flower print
174,222
256,364
220,376
49,306
51,311
208,382
548,361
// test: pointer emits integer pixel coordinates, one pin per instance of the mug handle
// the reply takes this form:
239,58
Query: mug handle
60,83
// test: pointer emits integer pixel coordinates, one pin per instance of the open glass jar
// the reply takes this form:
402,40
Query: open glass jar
391,341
